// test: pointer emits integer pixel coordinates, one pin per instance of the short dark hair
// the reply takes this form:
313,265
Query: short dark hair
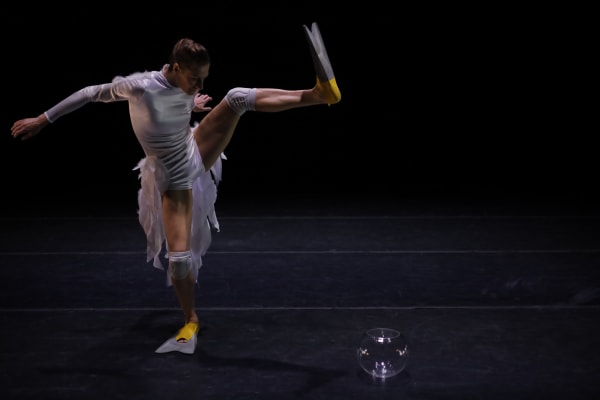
189,53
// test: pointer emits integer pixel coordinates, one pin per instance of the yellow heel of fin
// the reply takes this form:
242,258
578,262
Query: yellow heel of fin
188,331
331,90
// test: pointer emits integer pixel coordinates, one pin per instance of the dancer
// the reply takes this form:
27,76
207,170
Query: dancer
182,165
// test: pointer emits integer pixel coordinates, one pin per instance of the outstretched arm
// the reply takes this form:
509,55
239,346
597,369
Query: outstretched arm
29,127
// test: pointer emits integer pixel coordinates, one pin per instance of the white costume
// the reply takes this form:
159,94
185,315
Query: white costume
160,116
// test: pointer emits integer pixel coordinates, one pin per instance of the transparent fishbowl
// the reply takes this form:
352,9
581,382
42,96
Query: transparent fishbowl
383,352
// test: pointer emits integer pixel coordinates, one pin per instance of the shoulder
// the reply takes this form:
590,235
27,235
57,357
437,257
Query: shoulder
137,82
136,76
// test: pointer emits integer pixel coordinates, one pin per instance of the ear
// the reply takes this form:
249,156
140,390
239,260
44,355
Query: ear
176,67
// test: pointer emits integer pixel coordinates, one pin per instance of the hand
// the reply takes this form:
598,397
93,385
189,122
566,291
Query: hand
28,127
200,101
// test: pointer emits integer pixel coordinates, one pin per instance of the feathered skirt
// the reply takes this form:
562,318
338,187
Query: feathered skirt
154,181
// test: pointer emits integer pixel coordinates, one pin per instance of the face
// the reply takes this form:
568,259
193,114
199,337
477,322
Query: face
191,80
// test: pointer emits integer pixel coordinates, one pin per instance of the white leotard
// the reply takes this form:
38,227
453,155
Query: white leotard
160,116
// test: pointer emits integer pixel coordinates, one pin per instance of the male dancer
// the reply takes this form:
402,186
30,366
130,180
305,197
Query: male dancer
178,192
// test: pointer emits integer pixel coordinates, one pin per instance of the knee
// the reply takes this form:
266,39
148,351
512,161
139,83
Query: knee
180,264
241,99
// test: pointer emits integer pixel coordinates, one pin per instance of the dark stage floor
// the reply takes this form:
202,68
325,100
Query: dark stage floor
498,300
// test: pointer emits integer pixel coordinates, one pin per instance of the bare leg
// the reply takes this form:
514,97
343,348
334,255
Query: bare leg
275,100
214,132
177,220
216,129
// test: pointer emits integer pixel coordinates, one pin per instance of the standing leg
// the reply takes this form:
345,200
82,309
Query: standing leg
177,221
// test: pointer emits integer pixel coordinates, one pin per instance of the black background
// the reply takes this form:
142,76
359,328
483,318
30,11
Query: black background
440,100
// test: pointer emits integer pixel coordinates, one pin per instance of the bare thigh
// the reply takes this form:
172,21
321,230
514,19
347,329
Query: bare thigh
177,218
214,132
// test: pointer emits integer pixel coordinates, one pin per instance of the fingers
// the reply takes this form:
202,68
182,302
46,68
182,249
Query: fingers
203,97
19,130
14,131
